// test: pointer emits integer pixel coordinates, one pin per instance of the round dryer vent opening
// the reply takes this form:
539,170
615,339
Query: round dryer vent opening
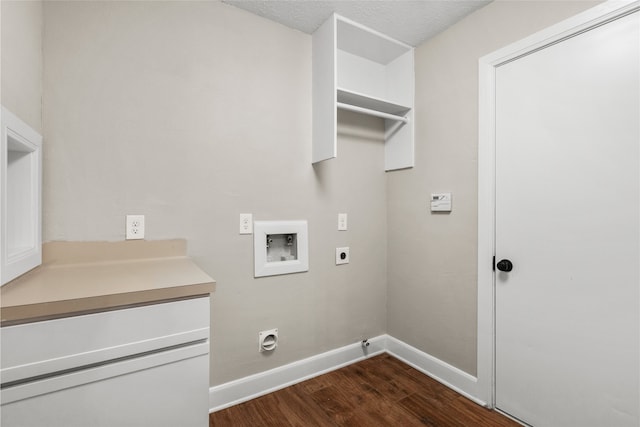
268,340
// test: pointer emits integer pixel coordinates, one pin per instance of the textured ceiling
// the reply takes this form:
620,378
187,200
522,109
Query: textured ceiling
410,21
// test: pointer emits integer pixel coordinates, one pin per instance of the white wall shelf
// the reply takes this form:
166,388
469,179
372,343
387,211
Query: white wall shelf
359,69
346,97
20,195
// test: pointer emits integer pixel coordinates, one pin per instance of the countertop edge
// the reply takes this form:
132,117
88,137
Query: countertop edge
21,314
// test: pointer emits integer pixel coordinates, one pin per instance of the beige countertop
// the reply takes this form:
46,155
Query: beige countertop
84,277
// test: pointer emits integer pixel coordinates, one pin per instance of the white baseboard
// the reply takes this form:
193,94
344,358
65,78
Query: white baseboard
452,377
244,389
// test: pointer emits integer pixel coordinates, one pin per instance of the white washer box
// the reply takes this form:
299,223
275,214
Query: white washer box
280,247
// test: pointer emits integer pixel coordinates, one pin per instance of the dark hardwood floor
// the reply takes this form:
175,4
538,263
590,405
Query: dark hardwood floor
380,391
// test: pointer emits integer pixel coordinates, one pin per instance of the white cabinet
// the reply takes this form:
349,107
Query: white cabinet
142,366
358,69
20,195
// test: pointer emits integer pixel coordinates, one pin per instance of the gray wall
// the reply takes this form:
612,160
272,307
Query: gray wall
21,47
191,113
432,263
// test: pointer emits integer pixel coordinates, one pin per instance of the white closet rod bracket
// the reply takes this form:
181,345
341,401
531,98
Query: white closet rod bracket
370,112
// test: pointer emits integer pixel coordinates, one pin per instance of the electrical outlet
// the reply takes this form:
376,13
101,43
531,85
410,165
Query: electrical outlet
135,227
342,256
342,222
246,223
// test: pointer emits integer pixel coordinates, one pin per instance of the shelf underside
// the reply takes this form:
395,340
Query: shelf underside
361,41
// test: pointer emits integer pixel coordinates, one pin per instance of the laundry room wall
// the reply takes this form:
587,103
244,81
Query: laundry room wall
191,113
432,263
21,39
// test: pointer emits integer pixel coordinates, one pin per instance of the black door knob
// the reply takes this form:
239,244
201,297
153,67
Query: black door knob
504,265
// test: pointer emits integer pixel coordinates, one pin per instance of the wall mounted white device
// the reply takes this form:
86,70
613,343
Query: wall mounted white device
280,247
20,197
342,256
441,202
267,340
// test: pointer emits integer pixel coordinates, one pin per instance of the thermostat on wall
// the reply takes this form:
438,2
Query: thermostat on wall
440,202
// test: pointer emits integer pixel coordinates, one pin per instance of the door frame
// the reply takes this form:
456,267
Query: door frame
487,65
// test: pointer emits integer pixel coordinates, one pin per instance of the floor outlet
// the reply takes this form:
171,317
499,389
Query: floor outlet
135,227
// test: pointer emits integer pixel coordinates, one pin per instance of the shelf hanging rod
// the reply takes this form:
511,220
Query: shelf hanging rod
357,109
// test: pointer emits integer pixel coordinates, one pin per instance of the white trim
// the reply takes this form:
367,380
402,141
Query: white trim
486,232
244,389
16,258
449,375
486,168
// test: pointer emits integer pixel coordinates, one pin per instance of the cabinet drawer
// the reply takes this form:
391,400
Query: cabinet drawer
41,349
166,389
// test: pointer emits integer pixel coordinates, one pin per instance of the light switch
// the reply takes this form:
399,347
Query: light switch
342,222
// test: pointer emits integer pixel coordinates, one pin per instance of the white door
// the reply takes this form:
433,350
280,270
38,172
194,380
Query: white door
568,219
